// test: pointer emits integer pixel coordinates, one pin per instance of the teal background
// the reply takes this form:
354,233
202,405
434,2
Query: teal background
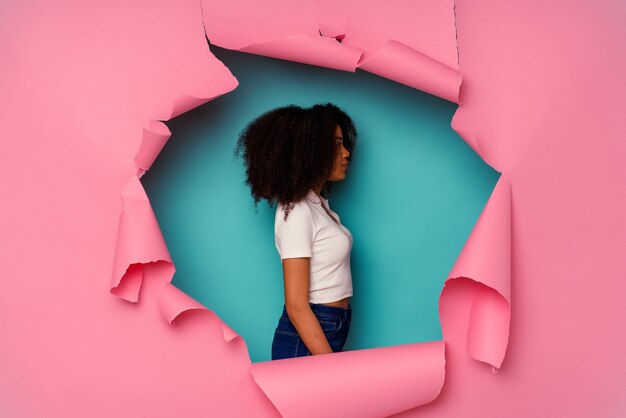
413,193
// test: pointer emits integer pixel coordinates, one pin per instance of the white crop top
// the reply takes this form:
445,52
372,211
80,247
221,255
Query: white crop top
310,232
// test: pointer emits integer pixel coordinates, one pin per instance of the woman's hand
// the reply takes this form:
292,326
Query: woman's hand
296,278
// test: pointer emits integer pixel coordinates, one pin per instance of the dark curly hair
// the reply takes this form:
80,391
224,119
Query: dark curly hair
290,149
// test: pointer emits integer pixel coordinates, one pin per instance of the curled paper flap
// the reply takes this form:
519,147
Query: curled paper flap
222,82
239,23
295,38
139,241
376,382
155,136
173,302
399,62
335,29
339,379
468,134
488,327
128,288
559,129
427,26
486,256
299,38
152,142
486,260
185,102
307,49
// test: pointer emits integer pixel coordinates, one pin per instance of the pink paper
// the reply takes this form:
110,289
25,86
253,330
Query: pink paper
86,86
289,32
313,50
173,302
348,35
486,258
139,241
154,139
396,61
384,380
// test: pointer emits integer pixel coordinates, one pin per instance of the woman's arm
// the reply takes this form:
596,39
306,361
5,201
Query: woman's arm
296,277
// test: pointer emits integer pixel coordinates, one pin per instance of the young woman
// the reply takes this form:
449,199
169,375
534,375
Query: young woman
292,156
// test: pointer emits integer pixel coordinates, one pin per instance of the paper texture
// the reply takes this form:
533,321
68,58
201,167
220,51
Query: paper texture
375,382
336,36
173,302
486,259
139,242
86,87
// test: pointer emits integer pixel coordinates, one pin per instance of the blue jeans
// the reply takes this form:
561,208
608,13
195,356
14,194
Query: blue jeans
335,323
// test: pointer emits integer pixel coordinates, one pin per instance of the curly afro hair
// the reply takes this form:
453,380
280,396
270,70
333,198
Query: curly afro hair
290,149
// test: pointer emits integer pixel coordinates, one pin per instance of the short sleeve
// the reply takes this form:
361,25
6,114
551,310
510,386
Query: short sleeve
294,237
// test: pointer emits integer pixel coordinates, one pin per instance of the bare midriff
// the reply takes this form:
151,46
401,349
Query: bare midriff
343,303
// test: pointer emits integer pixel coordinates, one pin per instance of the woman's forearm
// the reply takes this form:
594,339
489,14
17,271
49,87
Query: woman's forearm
309,329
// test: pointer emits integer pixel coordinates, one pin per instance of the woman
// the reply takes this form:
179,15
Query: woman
292,156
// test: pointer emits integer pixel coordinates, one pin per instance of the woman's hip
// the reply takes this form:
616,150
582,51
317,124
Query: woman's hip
335,323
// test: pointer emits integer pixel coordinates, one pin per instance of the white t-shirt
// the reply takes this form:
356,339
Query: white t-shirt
310,232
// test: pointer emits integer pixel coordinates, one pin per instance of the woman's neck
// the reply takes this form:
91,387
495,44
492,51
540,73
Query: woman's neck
317,189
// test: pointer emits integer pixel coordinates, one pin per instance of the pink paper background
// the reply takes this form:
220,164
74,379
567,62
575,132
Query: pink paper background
541,101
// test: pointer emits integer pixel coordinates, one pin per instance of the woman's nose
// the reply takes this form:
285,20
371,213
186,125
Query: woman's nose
346,153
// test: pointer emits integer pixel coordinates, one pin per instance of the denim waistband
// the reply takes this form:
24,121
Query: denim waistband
330,309
327,311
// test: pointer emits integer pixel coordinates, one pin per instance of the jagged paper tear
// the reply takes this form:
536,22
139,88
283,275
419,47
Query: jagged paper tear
139,241
376,382
173,302
355,382
300,39
486,260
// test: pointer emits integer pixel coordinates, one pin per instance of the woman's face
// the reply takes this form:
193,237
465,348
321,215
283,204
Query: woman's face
341,159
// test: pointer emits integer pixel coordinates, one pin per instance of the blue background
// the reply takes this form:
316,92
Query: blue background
413,193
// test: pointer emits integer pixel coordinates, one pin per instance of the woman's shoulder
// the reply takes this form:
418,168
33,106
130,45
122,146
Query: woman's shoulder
297,212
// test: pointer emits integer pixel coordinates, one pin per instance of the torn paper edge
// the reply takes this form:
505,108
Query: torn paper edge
421,367
137,216
173,302
394,60
486,260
